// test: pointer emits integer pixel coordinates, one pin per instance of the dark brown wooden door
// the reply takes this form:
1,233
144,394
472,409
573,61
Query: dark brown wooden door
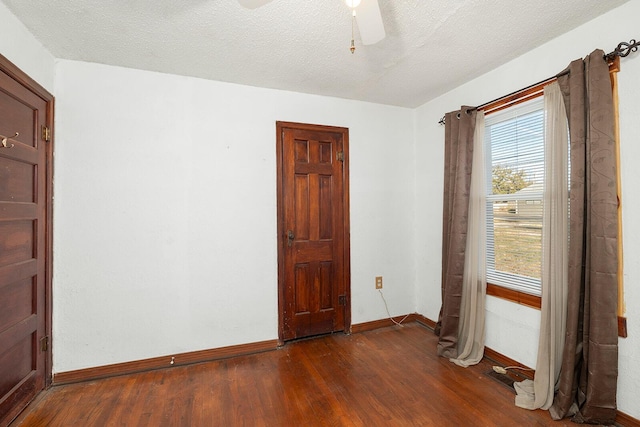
313,230
24,243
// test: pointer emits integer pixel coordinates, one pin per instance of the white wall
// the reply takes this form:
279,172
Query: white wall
512,329
165,211
19,46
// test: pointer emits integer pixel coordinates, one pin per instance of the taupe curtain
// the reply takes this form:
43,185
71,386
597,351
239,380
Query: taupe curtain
540,392
588,378
459,131
474,278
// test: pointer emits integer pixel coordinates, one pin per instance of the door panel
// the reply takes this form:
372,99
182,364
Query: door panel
17,180
313,230
25,187
16,240
17,116
16,302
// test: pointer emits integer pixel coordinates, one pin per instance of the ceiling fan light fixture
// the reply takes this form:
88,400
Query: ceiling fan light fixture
352,3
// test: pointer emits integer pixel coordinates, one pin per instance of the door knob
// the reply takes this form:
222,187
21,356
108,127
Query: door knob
290,237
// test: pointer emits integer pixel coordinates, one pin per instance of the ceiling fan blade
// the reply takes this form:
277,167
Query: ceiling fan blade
369,21
253,4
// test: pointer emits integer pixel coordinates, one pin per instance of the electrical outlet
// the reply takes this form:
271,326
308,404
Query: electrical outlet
378,282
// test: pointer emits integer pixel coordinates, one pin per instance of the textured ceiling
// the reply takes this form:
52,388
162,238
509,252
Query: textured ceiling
431,46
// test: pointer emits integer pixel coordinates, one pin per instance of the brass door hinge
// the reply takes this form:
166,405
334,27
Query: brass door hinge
44,344
46,133
340,156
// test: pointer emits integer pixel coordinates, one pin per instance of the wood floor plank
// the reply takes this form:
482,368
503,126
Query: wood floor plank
389,376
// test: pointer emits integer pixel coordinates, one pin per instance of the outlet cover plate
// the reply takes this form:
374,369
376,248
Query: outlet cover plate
378,282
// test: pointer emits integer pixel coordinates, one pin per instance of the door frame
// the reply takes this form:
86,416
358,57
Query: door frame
346,231
21,77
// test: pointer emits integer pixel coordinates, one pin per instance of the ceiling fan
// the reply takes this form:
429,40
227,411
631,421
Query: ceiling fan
368,17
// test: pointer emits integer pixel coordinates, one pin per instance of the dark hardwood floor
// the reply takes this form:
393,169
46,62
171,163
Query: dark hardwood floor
384,377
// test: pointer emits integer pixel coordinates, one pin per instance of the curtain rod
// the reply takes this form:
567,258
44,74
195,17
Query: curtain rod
623,49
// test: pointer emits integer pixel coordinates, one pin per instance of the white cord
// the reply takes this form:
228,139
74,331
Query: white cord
389,314
519,368
503,370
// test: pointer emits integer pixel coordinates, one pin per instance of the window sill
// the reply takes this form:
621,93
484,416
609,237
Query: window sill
622,327
514,296
534,301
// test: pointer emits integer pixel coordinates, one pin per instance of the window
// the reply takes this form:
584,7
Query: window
514,254
514,139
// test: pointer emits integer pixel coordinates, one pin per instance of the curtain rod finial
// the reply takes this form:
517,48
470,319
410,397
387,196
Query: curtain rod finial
623,49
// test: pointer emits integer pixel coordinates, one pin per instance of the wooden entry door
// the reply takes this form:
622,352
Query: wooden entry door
25,194
313,230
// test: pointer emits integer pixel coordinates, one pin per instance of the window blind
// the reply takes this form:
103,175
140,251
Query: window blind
515,179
